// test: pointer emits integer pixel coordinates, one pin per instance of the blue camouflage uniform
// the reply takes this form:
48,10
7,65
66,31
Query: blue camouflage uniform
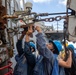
30,58
49,63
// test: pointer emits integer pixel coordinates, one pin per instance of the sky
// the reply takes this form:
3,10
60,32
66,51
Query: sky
49,6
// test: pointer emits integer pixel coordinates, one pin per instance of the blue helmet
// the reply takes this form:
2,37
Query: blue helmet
32,45
57,46
70,46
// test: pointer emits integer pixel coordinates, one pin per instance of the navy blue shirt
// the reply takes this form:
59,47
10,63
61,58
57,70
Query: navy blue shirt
31,60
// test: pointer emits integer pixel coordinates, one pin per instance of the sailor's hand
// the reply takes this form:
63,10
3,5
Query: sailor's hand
70,52
22,36
23,33
30,30
38,28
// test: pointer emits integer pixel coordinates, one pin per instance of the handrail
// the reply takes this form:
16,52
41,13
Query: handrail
7,66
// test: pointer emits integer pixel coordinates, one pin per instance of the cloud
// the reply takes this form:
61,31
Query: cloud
64,2
41,1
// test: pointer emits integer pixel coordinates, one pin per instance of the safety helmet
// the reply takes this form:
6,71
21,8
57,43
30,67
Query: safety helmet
70,46
32,45
57,46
